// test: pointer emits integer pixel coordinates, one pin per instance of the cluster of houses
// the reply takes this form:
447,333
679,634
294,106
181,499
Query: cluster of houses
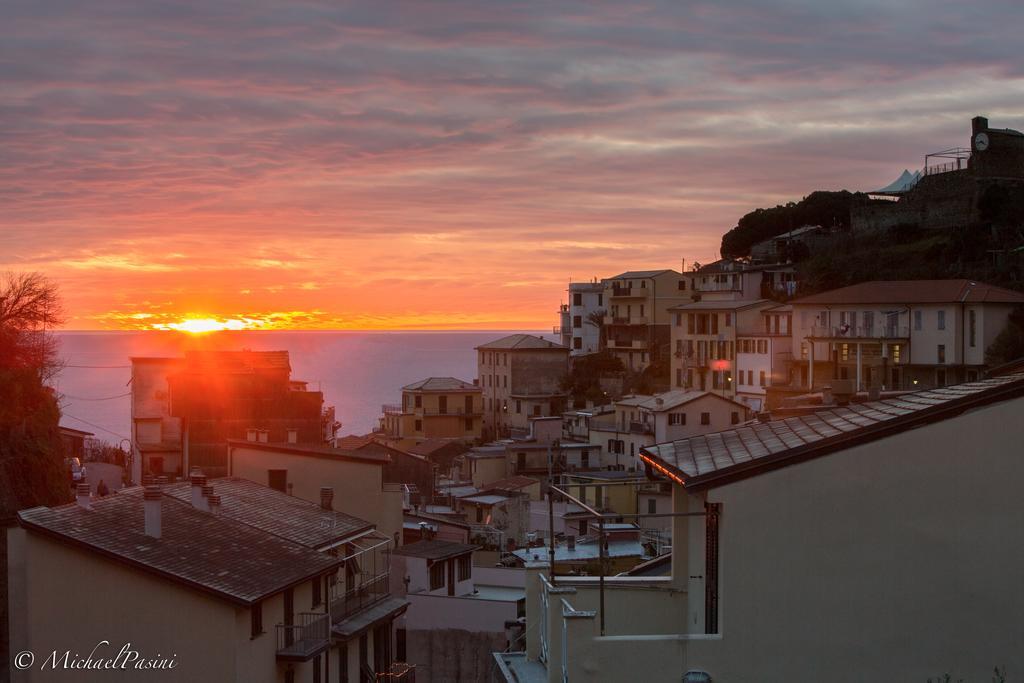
812,463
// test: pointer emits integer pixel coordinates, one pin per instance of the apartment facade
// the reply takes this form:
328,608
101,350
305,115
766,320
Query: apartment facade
899,335
436,408
764,356
638,319
357,477
520,376
704,342
728,279
579,330
185,592
185,409
807,542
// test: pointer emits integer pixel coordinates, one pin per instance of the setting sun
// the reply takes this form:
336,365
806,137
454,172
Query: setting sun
202,325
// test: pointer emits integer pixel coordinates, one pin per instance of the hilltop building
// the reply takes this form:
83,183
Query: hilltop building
952,184
520,376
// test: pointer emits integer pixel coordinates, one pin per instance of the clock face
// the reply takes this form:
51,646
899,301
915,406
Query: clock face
981,142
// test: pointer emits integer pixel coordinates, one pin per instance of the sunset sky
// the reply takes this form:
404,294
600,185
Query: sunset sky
445,165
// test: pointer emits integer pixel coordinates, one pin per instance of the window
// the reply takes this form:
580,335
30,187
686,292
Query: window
803,349
917,320
289,676
896,353
436,576
728,319
577,321
682,285
465,568
278,480
536,410
714,323
942,320
676,419
844,352
652,506
690,323
679,377
256,614
418,425
750,377
941,353
519,407
419,401
317,677
469,424
577,343
317,585
689,377
705,418
442,405
343,659
585,458
504,381
762,378
735,417
972,326
940,378
577,299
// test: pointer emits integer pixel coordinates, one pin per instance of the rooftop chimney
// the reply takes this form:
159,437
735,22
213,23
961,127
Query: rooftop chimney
151,508
326,497
198,482
82,496
214,501
204,500
250,434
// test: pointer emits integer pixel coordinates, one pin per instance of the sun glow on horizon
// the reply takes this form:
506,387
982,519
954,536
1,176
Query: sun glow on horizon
204,325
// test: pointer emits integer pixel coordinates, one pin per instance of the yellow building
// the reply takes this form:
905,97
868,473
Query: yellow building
436,408
357,476
199,581
638,318
704,342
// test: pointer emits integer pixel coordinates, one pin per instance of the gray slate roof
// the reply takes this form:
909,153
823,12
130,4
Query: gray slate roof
212,554
277,513
698,459
521,342
441,384
434,550
640,274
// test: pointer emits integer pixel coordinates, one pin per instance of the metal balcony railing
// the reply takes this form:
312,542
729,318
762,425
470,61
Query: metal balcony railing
392,409
862,331
641,428
455,410
306,639
346,602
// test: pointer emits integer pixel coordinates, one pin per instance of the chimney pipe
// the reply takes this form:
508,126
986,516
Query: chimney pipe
151,508
82,496
214,502
198,482
326,497
204,500
250,435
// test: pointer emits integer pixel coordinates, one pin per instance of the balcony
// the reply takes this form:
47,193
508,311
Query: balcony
302,641
641,428
458,411
620,291
628,344
392,409
630,320
875,332
364,581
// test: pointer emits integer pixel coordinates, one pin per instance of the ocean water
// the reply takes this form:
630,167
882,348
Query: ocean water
357,371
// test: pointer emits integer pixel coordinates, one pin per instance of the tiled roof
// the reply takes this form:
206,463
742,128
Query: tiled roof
277,513
521,342
378,454
352,442
237,361
441,384
210,553
914,292
388,608
701,461
510,484
641,273
721,305
670,399
434,550
431,446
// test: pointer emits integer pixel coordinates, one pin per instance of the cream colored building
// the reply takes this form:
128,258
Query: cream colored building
876,541
521,377
704,335
219,580
638,320
356,476
436,408
899,335
764,356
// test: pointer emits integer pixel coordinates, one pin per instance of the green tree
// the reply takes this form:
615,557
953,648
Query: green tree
1008,344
